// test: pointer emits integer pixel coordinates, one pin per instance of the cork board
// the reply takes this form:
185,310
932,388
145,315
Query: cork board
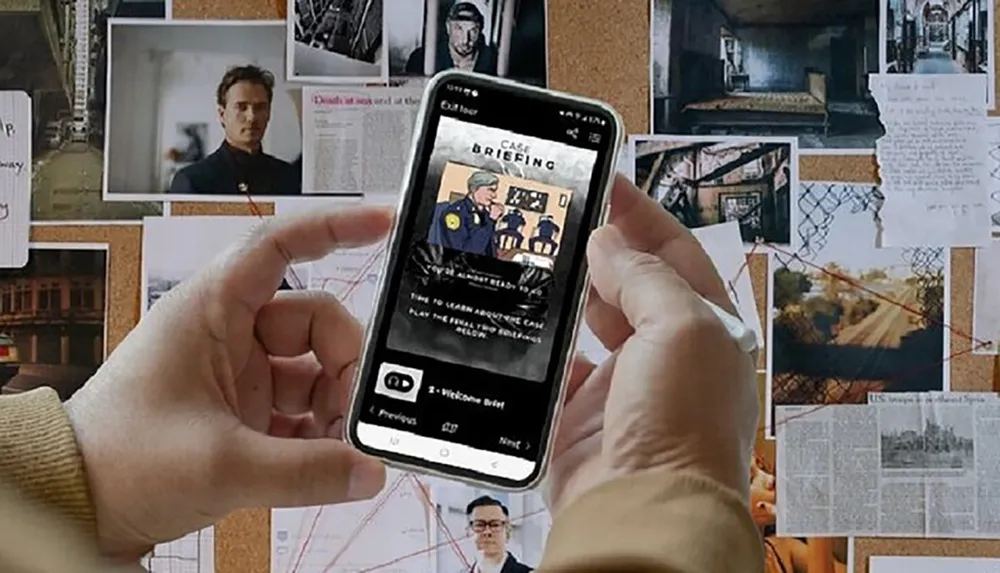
581,33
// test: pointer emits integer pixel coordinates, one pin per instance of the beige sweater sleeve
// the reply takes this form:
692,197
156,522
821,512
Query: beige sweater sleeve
655,522
40,458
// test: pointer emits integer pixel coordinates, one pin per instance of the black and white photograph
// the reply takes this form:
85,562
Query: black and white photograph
62,68
708,180
53,318
942,438
938,37
200,111
505,38
336,41
174,248
767,68
467,224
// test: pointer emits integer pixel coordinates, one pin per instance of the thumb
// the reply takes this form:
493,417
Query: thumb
289,472
645,288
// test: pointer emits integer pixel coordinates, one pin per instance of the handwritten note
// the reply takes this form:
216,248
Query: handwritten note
933,160
993,150
15,178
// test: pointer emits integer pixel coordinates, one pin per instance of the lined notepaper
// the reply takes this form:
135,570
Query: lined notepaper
15,178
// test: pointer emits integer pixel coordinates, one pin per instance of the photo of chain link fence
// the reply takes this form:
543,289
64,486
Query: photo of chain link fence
848,318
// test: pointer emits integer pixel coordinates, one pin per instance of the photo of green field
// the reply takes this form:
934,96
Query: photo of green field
847,318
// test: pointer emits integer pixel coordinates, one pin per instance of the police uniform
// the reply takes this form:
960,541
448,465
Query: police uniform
464,226
547,230
231,171
513,222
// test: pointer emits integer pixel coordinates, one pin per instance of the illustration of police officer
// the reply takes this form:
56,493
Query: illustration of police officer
512,223
469,224
545,235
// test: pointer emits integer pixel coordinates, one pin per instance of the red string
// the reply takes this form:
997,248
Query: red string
452,541
297,283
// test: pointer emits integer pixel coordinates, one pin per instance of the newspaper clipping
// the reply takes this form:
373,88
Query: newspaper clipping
904,465
356,140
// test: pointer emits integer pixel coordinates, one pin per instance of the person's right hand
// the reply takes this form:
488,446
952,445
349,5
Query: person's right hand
677,393
496,209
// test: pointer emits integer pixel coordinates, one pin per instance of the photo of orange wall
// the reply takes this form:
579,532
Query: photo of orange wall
529,217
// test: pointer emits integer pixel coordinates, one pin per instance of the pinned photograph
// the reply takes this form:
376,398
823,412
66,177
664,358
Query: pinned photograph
336,41
53,318
505,38
199,112
940,438
62,68
175,248
938,37
709,180
848,318
419,524
767,68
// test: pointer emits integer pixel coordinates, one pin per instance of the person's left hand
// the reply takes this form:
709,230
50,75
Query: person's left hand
228,396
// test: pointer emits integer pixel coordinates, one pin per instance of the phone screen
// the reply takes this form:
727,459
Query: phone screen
467,351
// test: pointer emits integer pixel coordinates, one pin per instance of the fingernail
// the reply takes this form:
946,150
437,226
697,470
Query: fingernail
608,241
367,479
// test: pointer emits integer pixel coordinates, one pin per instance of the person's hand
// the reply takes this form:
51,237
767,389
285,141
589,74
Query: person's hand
229,396
676,393
496,209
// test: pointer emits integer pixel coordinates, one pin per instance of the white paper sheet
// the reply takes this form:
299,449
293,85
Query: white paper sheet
933,160
904,465
724,246
356,140
15,178
986,300
993,151
174,248
193,553
894,564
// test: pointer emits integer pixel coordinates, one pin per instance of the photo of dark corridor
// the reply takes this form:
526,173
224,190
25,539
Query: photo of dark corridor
767,68
938,36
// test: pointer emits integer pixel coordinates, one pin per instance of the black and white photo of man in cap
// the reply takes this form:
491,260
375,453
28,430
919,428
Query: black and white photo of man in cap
503,38
464,44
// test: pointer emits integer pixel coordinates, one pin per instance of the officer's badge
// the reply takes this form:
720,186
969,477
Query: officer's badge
476,219
452,221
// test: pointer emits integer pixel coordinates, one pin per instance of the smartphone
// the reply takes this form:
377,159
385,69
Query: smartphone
475,319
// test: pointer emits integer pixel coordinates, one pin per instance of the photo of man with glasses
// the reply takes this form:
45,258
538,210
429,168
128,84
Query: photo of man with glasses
489,523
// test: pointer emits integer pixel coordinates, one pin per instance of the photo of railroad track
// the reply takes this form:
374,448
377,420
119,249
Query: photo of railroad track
848,318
